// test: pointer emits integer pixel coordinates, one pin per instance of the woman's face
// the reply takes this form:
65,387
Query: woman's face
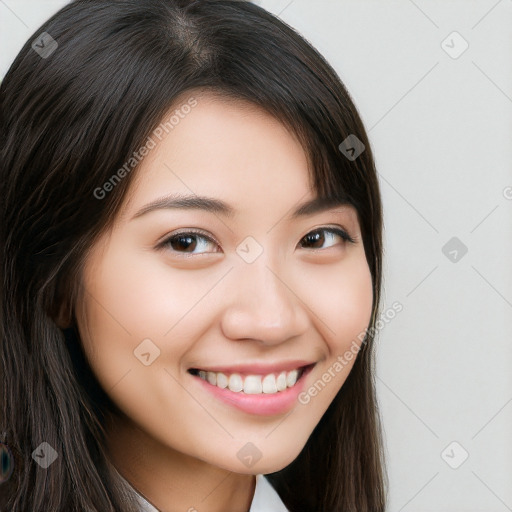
253,294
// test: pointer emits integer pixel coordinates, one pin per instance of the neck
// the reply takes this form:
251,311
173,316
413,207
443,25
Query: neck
170,480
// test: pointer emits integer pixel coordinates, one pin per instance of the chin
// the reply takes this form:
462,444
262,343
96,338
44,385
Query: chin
267,465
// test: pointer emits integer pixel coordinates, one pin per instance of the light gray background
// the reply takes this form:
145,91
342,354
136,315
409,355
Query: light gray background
440,128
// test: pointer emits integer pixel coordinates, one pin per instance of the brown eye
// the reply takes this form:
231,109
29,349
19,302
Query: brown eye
188,242
318,237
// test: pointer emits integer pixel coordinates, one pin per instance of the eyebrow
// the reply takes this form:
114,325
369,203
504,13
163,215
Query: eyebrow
216,206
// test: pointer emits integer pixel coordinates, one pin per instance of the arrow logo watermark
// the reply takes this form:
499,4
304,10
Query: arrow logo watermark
454,249
44,45
249,454
249,249
454,455
146,352
454,45
351,147
44,455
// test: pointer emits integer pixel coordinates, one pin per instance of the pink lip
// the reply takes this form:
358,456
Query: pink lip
258,368
260,404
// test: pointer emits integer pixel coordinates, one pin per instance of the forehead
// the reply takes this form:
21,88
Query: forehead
222,147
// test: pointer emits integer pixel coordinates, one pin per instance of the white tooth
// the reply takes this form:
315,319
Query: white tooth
281,381
202,374
252,384
211,377
291,378
222,380
269,384
235,383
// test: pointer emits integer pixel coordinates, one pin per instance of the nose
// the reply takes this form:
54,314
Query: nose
263,305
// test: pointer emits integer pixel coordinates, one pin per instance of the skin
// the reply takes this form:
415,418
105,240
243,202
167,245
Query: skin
173,441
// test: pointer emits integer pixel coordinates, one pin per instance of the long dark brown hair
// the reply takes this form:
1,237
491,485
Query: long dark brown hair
69,120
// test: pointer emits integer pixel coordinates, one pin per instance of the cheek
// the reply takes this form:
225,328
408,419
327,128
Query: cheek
342,302
343,307
138,298
128,298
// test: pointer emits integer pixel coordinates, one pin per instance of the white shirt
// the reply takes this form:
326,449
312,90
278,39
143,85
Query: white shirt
265,497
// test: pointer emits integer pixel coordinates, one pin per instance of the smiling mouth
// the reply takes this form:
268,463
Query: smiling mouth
252,384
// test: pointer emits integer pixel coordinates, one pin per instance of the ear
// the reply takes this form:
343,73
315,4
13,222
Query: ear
63,319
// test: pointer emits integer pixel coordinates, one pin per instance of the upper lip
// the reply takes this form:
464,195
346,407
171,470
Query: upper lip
257,368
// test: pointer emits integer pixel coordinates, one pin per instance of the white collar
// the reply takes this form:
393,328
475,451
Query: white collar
265,497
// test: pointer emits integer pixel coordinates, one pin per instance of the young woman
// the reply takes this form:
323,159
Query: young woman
191,267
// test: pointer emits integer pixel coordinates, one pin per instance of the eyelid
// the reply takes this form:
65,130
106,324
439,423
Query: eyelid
187,231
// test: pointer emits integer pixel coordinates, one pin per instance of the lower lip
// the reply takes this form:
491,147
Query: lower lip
263,404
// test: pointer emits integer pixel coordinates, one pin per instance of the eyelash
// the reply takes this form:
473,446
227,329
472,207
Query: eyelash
199,234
